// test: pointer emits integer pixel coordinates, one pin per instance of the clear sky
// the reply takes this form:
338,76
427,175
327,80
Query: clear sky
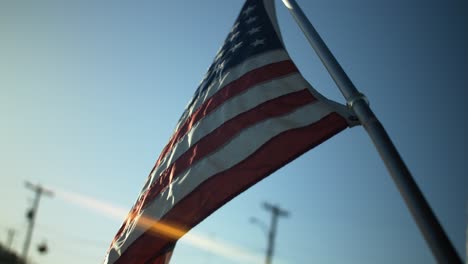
90,92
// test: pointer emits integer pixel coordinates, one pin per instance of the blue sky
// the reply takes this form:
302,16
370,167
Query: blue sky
90,92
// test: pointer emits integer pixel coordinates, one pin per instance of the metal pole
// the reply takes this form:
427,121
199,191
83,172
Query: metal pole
441,247
276,212
39,191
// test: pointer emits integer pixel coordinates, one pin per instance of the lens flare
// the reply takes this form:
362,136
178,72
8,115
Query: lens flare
217,247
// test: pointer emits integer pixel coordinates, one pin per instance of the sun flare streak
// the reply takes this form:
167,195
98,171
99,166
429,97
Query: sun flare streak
217,247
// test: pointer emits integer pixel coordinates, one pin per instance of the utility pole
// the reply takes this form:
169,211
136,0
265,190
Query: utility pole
276,212
11,235
31,214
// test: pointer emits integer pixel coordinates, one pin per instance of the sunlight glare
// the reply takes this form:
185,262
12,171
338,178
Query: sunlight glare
217,247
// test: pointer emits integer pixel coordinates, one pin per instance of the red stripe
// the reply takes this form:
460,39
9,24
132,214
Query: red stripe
164,257
254,77
212,141
224,186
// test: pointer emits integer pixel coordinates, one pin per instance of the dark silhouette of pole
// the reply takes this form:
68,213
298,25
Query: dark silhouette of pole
276,212
11,235
31,214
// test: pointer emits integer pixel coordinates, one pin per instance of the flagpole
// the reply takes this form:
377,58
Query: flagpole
439,243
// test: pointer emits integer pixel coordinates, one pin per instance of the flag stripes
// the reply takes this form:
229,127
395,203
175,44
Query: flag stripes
254,62
246,81
221,134
230,109
235,151
211,194
250,98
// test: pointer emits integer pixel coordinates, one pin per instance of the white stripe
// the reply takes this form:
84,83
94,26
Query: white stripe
229,109
248,65
234,73
238,149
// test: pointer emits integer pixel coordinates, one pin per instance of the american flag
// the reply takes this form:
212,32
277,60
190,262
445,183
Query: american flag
252,113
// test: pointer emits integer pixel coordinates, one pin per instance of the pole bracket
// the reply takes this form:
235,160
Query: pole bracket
356,97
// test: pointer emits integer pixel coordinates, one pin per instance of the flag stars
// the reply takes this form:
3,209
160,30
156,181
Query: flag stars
254,30
220,66
236,47
234,36
258,42
219,55
250,20
234,28
249,10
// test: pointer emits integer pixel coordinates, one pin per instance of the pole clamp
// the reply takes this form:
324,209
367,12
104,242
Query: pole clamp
357,97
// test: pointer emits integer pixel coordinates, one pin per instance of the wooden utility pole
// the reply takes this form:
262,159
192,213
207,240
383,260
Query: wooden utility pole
31,214
276,212
11,235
